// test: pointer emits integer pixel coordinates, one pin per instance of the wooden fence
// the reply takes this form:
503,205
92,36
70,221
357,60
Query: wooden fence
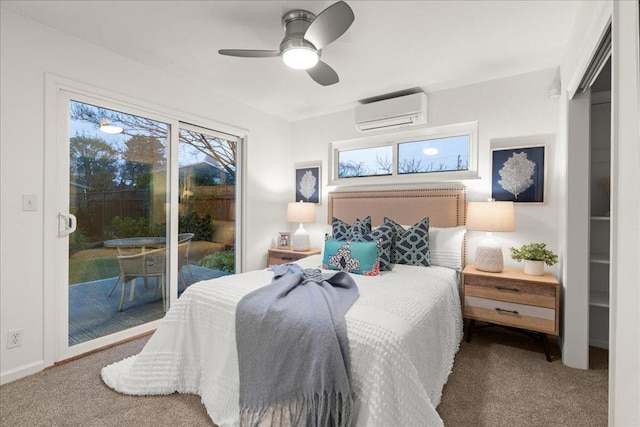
96,210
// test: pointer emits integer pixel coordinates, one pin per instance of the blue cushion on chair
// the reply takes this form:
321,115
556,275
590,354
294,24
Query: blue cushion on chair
412,245
352,257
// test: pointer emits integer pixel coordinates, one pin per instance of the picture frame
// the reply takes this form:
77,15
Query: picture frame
308,179
284,240
518,174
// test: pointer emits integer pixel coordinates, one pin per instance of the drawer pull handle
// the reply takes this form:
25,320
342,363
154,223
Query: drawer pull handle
502,310
288,258
506,288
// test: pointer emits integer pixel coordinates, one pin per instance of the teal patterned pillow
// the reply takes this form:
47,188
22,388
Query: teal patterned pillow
343,231
385,237
352,257
412,245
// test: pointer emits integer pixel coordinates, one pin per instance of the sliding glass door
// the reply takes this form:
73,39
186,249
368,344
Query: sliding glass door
147,206
118,194
207,203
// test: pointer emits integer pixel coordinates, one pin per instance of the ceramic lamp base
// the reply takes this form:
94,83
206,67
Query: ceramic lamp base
489,256
300,240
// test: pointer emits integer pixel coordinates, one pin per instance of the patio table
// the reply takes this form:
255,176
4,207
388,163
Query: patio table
136,242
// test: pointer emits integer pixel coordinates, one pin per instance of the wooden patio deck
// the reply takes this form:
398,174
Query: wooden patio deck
93,313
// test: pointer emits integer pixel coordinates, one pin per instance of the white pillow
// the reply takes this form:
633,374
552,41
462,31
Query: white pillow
445,246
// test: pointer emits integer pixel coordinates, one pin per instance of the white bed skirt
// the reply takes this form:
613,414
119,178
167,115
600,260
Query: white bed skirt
404,332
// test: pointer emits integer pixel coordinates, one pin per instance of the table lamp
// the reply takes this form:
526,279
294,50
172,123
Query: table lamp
301,212
490,216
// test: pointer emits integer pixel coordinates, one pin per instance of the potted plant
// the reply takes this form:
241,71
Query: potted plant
535,256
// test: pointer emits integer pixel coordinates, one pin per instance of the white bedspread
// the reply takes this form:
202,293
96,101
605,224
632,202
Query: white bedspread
404,331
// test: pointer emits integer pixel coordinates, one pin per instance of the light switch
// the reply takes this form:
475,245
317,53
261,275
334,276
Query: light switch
29,202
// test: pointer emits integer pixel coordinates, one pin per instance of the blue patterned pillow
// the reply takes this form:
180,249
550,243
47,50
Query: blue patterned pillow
385,237
343,231
412,245
352,257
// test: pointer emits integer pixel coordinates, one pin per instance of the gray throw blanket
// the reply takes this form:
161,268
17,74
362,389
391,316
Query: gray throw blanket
293,352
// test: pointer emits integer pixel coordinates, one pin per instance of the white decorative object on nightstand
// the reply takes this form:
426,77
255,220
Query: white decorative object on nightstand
301,212
490,216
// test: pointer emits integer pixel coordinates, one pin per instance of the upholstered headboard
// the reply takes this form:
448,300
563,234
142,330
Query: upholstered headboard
445,207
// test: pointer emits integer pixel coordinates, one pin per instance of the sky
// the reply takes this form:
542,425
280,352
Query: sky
447,153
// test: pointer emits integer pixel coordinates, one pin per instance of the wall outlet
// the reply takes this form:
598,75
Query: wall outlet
14,338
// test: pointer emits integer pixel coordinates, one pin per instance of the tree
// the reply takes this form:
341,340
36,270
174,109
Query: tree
143,155
93,162
383,164
411,165
222,150
352,169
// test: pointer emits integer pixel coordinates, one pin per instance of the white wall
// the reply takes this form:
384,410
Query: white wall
514,111
29,50
624,375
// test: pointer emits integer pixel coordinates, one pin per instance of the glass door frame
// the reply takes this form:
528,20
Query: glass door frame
58,93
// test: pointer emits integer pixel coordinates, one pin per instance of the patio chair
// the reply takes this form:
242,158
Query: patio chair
184,243
145,264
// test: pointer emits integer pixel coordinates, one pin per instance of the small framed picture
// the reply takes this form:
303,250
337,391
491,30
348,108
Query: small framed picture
284,240
308,177
518,174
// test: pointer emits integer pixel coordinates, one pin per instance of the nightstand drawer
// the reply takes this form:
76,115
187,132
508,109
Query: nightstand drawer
530,317
511,286
517,294
282,258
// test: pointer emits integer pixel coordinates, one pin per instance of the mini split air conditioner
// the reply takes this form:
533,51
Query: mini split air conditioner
393,112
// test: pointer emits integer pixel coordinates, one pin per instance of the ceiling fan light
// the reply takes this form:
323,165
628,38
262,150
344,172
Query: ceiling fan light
111,129
300,58
107,127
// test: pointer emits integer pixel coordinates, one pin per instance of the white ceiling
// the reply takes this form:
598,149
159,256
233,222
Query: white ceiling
391,46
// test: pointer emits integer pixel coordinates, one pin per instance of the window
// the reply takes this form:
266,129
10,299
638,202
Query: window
374,161
434,154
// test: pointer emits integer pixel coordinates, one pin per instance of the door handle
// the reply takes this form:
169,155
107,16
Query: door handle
67,224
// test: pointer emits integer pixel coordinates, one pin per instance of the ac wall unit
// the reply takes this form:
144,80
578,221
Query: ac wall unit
393,112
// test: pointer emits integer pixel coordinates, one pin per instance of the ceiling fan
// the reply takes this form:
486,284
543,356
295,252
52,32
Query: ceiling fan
305,36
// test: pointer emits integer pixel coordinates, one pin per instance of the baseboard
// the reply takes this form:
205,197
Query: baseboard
21,372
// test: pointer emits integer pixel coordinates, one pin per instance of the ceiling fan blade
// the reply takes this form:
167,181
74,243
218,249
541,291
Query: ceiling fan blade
330,24
323,74
248,53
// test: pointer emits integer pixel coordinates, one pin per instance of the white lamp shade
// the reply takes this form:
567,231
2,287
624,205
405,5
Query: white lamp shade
301,212
490,216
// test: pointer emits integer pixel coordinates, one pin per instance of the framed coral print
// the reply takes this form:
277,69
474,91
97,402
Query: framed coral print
308,182
518,174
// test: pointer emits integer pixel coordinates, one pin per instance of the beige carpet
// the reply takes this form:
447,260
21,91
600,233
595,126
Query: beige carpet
501,378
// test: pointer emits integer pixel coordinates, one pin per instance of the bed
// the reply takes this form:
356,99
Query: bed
403,331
